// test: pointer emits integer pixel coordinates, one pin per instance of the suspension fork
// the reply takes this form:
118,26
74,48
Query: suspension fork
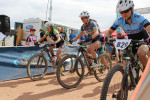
125,79
85,59
133,82
125,75
77,58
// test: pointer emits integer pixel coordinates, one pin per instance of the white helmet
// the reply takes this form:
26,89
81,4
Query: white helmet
124,5
84,13
49,24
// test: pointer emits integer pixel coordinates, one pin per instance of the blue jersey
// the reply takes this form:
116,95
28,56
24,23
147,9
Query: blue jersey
135,30
72,36
82,38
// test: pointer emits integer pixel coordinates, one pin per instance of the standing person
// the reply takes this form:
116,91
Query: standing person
31,39
54,37
72,35
134,25
42,33
92,34
119,35
58,29
63,34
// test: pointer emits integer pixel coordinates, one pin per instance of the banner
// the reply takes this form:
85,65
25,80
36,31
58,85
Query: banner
13,61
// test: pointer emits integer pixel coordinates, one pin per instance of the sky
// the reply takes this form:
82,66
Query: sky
66,11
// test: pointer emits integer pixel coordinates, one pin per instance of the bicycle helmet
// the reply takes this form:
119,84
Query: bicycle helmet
49,24
84,14
124,5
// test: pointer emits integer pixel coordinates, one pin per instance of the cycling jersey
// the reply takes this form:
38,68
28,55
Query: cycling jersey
135,30
31,39
53,36
72,36
89,28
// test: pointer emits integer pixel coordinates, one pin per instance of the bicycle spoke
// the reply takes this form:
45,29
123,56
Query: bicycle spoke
37,67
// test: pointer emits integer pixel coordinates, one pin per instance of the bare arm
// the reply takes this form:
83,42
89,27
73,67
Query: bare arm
27,43
41,39
148,28
78,36
108,33
58,38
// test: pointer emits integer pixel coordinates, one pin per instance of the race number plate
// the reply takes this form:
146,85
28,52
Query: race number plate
121,44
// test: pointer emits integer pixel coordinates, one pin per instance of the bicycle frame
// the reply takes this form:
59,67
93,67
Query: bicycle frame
129,66
49,54
84,53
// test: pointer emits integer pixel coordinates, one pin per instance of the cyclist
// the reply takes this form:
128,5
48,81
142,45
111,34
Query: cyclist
54,37
90,30
134,26
119,35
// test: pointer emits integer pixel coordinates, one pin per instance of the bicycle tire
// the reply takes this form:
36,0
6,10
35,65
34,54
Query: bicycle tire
41,70
101,68
104,92
67,82
85,66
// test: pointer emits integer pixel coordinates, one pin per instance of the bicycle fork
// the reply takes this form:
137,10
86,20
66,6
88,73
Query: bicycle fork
124,88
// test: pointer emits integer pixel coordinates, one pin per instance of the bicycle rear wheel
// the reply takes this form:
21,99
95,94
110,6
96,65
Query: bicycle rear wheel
37,67
115,86
67,71
103,67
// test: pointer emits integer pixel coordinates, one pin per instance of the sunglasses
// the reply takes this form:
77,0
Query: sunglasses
84,18
126,11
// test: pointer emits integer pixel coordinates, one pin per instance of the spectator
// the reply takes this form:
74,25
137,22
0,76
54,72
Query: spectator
31,39
42,33
63,34
58,29
72,35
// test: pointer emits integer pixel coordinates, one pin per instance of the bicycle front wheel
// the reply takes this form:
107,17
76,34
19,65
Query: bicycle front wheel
113,85
37,67
67,71
103,67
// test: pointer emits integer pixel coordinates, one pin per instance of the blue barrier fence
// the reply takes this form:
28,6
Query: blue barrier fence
13,61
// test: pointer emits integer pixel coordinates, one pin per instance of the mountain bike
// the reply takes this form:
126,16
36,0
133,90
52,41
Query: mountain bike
71,75
121,79
38,64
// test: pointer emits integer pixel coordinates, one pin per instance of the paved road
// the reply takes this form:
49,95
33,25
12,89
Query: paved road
49,89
